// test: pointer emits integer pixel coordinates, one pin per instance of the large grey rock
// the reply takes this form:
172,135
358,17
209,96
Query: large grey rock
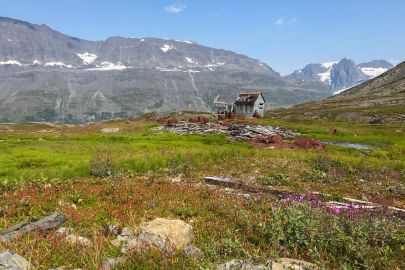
13,261
165,234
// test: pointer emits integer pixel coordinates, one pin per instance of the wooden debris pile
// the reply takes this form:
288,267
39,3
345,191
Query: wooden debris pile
264,134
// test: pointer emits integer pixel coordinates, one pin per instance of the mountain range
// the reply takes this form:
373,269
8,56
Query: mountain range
48,76
343,74
378,100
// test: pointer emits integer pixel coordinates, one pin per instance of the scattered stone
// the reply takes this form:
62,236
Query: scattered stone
192,251
126,235
116,242
111,229
75,239
109,264
110,130
128,232
59,268
165,234
377,120
72,238
48,223
13,261
280,264
176,179
237,264
64,231
295,264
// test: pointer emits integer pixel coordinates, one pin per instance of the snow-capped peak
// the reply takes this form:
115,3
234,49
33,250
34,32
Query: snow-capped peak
329,64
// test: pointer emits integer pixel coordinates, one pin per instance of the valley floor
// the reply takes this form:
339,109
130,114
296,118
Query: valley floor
138,174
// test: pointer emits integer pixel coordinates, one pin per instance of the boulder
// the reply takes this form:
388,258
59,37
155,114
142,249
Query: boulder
165,234
13,261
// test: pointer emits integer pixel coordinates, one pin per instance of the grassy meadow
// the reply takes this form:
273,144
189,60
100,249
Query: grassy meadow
124,178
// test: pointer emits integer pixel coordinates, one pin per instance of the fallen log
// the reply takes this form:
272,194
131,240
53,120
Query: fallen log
218,181
47,223
353,203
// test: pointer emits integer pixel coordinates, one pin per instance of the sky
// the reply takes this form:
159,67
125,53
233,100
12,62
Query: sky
285,34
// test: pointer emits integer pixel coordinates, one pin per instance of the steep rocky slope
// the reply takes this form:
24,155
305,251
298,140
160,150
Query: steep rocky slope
49,76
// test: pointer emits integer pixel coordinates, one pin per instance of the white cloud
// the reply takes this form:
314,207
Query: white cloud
280,21
285,21
175,8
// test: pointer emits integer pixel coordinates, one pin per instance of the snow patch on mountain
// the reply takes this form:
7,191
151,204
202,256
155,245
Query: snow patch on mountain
325,77
340,91
88,58
373,72
190,60
10,62
58,64
167,48
108,66
185,41
167,69
329,64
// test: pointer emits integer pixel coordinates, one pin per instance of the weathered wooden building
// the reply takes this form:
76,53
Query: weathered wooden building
250,104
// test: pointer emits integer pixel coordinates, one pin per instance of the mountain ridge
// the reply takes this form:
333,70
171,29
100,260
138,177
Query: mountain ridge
379,100
49,76
342,74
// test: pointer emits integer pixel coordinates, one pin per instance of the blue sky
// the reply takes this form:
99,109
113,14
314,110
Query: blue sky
285,34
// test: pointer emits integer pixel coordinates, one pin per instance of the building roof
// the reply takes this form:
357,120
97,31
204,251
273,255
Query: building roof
248,98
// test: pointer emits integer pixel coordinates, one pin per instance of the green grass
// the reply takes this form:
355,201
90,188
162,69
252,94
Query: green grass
122,178
74,152
25,157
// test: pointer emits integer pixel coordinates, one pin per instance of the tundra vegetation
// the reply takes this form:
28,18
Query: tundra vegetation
138,174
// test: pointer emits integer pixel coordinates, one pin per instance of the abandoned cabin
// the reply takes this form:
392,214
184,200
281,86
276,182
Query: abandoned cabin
245,105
